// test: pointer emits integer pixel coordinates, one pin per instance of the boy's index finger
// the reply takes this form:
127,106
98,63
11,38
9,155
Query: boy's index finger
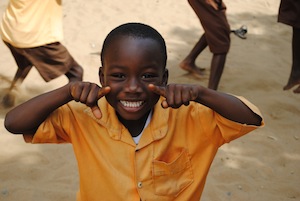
158,89
103,91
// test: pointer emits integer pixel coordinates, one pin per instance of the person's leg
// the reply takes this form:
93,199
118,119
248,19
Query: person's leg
8,99
20,75
188,63
24,66
217,37
53,60
294,78
75,73
217,66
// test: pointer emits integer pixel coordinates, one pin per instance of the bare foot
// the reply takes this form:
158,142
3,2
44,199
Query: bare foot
8,100
192,68
291,83
297,90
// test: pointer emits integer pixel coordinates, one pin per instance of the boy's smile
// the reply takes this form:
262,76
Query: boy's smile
132,104
130,64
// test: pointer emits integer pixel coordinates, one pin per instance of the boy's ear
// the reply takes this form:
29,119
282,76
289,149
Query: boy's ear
101,75
165,77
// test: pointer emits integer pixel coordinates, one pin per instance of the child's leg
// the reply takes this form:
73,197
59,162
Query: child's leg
20,75
8,99
75,73
188,63
294,78
24,66
217,66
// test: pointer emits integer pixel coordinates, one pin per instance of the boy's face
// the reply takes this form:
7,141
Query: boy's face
130,65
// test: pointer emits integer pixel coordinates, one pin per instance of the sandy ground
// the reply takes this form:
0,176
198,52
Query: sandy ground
262,166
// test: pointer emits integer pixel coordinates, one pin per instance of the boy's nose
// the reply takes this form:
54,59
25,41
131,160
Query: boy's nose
133,85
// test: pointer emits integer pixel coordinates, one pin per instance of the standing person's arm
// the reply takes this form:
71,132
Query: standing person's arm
26,118
226,105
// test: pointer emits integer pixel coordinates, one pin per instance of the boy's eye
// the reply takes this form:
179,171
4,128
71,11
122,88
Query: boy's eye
118,75
148,76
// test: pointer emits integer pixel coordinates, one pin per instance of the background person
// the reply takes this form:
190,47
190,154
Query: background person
32,30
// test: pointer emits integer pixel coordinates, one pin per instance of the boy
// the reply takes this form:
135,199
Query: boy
144,139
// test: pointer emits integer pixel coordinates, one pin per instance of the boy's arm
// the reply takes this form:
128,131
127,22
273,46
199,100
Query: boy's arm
26,118
226,105
229,107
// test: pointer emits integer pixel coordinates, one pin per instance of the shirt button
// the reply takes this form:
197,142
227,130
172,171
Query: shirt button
140,184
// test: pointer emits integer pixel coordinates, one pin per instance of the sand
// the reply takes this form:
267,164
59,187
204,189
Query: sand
261,166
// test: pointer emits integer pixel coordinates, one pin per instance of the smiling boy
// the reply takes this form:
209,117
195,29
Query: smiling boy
136,137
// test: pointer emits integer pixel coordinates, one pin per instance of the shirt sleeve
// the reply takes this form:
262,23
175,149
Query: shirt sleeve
55,128
231,130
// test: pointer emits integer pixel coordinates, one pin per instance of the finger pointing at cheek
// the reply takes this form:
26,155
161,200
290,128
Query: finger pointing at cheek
160,91
103,91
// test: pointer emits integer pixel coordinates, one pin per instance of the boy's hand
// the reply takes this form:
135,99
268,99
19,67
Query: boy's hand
89,94
176,94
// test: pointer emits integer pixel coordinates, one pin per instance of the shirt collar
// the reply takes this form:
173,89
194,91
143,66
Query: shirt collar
157,127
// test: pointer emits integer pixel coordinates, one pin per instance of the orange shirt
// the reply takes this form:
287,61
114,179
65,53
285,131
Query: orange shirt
32,23
170,163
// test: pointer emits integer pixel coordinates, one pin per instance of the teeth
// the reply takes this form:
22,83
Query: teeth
132,104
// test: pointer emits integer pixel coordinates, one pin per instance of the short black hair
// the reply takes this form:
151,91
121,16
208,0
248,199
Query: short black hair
135,30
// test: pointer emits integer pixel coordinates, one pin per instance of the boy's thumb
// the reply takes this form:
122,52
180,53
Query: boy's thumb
96,111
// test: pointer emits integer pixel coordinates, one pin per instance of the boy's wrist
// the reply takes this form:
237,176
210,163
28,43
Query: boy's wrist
69,88
201,92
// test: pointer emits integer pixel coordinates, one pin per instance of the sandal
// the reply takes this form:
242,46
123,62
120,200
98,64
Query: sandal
241,32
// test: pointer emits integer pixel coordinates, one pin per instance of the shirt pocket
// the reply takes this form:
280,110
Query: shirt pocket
170,179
